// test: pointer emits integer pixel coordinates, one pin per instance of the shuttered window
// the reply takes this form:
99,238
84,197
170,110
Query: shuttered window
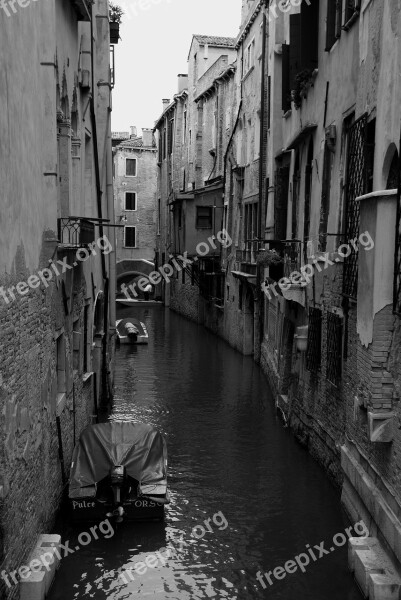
285,74
130,167
333,22
130,237
204,217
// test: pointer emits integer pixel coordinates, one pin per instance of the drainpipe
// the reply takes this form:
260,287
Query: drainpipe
112,231
99,194
259,296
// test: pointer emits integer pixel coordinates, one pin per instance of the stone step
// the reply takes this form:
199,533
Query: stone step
374,571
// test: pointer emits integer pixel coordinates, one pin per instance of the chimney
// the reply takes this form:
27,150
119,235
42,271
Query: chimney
166,102
182,83
147,138
133,131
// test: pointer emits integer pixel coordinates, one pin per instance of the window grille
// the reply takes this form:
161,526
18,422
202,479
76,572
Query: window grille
314,351
334,348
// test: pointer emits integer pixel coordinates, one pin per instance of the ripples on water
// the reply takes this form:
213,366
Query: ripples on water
228,454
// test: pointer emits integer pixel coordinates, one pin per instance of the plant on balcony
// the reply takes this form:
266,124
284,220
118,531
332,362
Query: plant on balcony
115,17
303,80
269,258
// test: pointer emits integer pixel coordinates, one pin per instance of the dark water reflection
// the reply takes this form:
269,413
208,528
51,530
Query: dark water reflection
228,454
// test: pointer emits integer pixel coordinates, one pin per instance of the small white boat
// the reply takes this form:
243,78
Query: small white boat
132,331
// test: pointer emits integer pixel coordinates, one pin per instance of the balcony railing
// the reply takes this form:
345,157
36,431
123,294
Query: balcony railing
75,232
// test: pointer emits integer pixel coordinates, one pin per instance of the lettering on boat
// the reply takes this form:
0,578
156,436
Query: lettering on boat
82,504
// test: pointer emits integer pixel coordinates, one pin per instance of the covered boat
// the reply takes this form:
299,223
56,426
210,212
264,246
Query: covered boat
131,331
119,469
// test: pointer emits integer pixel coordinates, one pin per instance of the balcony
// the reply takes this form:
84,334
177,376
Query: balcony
75,232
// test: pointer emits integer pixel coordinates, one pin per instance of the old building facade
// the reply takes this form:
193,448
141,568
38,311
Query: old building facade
57,259
307,151
135,180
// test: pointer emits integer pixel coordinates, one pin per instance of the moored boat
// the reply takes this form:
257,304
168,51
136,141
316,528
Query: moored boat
132,331
119,469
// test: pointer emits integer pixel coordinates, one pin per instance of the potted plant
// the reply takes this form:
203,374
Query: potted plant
115,17
269,258
302,84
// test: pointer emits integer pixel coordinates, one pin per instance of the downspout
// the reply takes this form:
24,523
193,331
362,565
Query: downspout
259,294
99,194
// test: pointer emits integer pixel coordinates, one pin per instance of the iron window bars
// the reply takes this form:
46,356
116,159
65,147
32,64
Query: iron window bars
314,350
355,186
334,348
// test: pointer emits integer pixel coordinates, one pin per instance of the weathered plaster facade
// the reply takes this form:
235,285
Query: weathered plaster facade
56,334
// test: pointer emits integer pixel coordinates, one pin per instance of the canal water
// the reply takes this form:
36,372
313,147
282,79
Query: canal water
245,496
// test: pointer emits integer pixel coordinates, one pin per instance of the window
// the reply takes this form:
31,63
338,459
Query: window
86,328
325,202
130,167
130,237
158,215
249,56
76,332
170,136
204,217
352,8
333,22
160,157
314,351
164,143
334,347
61,387
130,200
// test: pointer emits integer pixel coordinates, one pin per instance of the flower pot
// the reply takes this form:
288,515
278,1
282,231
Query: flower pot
301,337
114,32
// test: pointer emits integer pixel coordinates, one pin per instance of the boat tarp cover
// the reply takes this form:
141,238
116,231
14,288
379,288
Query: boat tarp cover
122,324
138,447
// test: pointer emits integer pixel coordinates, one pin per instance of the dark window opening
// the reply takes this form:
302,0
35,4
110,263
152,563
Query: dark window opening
333,23
170,136
204,217
325,200
130,201
314,351
334,348
308,192
130,237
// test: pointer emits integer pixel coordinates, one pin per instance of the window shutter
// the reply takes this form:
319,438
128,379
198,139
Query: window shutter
339,16
331,24
285,88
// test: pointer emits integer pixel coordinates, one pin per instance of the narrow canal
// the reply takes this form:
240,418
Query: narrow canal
245,496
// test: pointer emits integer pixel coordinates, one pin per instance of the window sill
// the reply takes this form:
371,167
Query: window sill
87,376
287,114
351,21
